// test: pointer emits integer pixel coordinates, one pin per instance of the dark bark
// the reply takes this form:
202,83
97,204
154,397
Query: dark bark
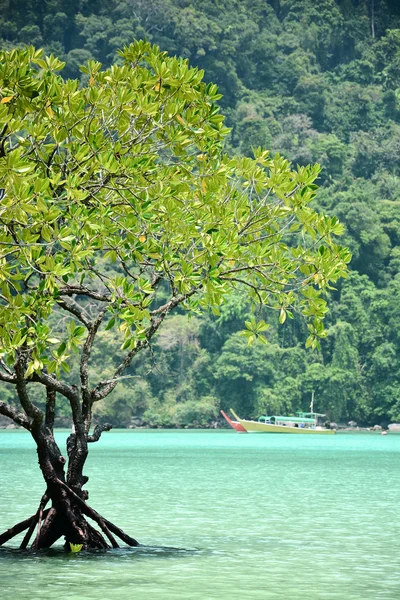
90,512
32,411
98,430
84,375
66,519
76,310
50,532
50,408
108,533
16,529
121,534
35,521
68,514
42,504
77,453
20,418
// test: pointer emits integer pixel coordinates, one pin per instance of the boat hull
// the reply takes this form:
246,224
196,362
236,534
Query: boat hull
257,427
235,424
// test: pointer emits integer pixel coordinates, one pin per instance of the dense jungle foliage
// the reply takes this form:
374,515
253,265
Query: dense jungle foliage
318,81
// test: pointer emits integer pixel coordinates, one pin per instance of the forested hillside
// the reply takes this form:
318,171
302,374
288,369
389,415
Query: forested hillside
315,80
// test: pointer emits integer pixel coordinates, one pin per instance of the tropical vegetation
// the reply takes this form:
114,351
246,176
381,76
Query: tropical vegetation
315,81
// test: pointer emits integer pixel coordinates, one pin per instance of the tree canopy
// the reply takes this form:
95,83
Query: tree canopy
119,204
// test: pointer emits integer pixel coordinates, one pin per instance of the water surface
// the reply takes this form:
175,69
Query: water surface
220,516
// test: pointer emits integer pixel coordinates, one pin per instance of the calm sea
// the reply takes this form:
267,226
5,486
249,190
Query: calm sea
221,516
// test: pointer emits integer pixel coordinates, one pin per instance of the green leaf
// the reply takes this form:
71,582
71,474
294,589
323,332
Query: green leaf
61,349
65,367
110,324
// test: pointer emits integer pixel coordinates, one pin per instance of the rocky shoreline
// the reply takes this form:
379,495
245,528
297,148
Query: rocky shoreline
137,423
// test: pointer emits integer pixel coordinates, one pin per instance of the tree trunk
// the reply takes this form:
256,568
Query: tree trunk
373,19
65,517
68,514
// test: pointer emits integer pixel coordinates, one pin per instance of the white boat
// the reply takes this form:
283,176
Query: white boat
303,423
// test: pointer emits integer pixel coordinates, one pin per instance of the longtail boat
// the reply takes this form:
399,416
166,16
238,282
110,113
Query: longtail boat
302,423
235,424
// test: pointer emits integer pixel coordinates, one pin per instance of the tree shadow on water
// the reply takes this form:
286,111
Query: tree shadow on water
124,553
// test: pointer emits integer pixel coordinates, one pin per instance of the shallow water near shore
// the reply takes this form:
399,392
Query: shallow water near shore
219,515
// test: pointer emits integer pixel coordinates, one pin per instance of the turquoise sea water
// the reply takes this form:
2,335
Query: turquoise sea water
220,516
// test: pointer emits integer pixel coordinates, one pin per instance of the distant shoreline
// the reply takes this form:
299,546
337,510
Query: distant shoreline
13,427
137,423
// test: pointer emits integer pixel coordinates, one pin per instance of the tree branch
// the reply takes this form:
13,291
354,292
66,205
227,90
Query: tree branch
3,138
6,369
244,282
11,412
175,300
16,529
102,390
37,519
8,378
98,430
75,310
42,504
86,351
7,374
31,410
90,512
50,408
68,391
80,290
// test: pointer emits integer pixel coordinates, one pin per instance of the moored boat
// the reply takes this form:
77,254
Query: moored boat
302,423
235,424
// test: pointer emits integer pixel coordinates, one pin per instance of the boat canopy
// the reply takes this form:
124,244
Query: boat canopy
274,419
309,414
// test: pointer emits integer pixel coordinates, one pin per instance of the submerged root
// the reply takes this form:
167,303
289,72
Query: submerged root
37,520
16,529
67,519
